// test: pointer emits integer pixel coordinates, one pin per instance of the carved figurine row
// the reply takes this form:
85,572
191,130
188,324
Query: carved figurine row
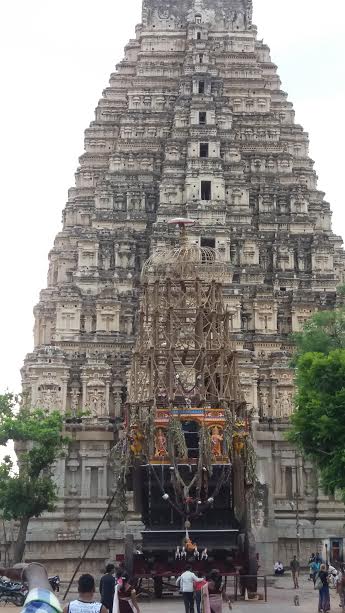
136,439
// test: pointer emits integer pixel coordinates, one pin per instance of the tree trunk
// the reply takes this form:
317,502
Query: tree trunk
19,546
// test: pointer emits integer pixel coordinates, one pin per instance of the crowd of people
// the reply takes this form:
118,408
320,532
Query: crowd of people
117,594
323,575
207,593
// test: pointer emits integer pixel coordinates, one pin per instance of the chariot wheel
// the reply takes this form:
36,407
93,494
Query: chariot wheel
158,586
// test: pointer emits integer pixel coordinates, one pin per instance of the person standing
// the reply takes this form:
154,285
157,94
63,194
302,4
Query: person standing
107,586
198,585
321,584
314,569
186,584
332,573
310,562
86,602
340,586
125,597
213,594
294,566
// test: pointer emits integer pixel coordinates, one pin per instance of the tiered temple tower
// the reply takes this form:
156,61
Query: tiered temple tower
194,123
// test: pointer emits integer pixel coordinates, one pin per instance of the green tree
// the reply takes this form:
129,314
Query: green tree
318,423
322,333
39,442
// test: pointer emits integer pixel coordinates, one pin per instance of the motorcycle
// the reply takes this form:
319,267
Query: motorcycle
55,583
13,593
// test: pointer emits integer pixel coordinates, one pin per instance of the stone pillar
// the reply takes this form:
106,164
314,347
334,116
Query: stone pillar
84,392
58,471
283,479
277,473
43,334
255,397
274,398
117,398
107,395
294,480
73,484
73,464
301,477
64,393
34,390
102,482
85,481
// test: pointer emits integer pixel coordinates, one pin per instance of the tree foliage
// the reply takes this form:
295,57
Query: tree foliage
322,333
318,423
39,441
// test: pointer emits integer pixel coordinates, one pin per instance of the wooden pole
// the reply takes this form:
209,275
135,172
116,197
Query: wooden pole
298,536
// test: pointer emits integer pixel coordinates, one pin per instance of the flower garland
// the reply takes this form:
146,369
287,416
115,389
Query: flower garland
176,440
205,449
228,433
120,461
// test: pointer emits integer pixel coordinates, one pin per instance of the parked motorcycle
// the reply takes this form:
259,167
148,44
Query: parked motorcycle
13,593
55,583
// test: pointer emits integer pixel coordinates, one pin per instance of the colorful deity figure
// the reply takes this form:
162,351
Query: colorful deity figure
136,440
216,441
239,444
240,435
190,546
160,444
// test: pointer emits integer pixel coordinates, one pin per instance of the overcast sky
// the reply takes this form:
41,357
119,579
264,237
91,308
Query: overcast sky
56,57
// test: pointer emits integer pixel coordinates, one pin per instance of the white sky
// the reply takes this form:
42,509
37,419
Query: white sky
56,57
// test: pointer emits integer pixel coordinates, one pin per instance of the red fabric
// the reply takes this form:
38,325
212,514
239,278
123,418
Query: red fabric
198,585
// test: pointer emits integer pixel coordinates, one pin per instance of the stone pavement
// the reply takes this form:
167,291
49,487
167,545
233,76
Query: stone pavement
280,600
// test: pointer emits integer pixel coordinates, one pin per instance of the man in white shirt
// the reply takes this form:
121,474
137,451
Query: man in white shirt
186,585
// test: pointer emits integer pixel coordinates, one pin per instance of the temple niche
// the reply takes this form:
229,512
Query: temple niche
194,123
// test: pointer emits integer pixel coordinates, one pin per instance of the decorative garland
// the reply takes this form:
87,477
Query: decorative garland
120,460
176,440
205,449
149,428
251,465
228,433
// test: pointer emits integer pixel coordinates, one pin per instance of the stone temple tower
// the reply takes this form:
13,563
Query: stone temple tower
194,123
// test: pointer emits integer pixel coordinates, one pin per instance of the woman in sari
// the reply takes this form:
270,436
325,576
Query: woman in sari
125,598
321,583
213,594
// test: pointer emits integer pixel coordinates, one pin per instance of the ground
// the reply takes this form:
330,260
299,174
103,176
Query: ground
280,600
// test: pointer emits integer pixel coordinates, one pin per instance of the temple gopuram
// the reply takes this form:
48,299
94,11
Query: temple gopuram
195,241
